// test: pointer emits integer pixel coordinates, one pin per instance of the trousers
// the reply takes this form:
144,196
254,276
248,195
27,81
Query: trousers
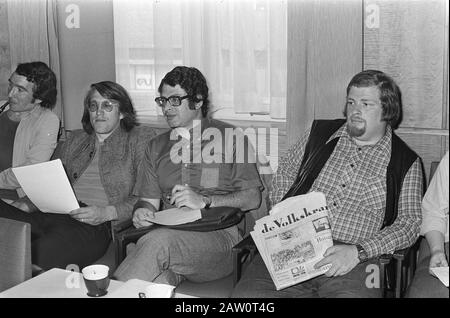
58,240
425,285
257,283
170,256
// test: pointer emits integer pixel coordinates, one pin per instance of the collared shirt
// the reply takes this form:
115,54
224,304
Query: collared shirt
171,160
354,183
435,201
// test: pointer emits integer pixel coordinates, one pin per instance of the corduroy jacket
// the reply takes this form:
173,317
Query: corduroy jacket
119,159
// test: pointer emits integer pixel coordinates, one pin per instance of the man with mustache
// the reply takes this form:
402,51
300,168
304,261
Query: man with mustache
28,128
373,185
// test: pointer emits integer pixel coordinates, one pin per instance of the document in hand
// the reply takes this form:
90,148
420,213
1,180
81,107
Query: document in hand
293,238
441,273
47,186
177,216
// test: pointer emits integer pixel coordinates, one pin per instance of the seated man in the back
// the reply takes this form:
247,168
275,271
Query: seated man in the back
373,186
28,128
101,162
167,255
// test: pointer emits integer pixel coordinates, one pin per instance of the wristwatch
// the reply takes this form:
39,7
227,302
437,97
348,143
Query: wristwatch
362,254
207,200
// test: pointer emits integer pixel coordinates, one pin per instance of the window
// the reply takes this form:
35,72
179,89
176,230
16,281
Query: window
240,47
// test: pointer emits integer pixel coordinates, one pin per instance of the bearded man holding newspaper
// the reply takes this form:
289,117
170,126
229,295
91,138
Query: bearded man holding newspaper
373,186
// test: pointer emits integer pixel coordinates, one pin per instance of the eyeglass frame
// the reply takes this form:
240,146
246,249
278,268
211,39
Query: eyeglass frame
167,99
106,105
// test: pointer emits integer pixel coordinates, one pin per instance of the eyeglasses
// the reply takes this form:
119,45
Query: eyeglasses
173,100
106,105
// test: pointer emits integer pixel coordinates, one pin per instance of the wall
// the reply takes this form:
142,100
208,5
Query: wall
409,41
324,51
86,52
330,41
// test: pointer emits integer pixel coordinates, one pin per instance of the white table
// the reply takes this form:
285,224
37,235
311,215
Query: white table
59,283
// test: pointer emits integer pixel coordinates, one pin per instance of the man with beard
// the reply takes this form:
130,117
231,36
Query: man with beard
373,185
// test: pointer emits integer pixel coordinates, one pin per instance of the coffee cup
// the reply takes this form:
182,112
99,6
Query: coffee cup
96,279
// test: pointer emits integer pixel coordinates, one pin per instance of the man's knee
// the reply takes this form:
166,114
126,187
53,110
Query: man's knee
158,238
158,245
152,238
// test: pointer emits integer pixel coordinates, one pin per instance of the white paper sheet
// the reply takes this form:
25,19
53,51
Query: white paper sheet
136,288
47,186
441,273
176,216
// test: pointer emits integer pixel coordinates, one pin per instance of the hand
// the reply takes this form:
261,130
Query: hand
142,217
185,196
343,258
438,259
25,205
93,215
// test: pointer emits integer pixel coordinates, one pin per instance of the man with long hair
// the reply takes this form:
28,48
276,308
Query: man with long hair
101,162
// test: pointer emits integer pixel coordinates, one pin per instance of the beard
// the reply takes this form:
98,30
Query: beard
355,131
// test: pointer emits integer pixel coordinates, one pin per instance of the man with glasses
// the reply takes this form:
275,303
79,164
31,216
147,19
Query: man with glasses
165,181
28,128
101,162
373,185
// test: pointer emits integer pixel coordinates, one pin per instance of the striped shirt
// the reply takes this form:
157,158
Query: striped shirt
354,183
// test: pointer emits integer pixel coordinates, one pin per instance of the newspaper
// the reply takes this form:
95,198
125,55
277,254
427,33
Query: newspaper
293,238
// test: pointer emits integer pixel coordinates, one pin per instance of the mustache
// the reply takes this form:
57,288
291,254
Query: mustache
352,117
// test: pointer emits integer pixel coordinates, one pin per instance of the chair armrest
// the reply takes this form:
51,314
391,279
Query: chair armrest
397,276
408,253
406,261
246,244
126,236
385,278
119,226
244,251
385,259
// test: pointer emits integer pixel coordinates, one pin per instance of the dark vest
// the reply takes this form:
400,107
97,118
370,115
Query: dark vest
317,152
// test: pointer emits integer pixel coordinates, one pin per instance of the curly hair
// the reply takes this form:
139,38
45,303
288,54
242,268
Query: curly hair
44,81
111,91
390,94
192,81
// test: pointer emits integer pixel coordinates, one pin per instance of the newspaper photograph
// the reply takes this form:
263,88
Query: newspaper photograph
293,238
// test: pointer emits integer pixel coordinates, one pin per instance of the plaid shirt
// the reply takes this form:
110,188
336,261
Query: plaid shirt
354,183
